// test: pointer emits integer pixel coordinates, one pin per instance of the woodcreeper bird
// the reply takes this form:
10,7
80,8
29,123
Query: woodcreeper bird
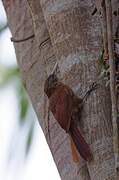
66,108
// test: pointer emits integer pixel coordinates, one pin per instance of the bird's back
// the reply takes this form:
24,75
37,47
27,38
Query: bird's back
61,104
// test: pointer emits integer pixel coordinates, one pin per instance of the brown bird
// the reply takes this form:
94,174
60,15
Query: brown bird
66,108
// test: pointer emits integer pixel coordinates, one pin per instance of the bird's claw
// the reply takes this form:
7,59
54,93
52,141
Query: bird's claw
93,86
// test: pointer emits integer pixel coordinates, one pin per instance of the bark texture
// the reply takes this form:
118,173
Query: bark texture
66,32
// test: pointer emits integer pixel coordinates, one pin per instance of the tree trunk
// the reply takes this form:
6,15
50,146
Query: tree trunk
65,31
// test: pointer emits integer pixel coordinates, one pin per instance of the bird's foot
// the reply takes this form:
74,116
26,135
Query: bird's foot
93,86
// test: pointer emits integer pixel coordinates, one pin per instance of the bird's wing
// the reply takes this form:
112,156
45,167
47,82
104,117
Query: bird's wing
61,106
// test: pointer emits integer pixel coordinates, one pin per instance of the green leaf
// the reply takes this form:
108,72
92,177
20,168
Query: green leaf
29,138
24,108
23,104
3,27
8,74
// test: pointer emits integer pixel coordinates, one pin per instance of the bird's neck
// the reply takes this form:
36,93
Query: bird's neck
50,92
52,89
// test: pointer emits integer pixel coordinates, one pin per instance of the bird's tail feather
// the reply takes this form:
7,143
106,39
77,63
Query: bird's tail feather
75,153
81,145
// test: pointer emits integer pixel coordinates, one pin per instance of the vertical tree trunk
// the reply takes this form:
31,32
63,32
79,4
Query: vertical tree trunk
66,32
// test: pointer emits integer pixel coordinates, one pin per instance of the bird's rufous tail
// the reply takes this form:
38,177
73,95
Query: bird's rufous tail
74,151
81,145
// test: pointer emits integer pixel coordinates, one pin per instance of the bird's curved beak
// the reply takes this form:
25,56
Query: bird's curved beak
55,69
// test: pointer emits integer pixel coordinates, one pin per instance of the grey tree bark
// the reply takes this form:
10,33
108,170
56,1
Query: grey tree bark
66,32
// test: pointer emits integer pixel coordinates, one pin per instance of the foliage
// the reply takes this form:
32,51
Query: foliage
29,138
8,74
3,27
12,75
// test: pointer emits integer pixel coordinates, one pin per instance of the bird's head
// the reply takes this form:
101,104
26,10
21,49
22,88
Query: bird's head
52,81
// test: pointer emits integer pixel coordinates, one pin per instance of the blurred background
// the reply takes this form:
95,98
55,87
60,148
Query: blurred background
24,153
